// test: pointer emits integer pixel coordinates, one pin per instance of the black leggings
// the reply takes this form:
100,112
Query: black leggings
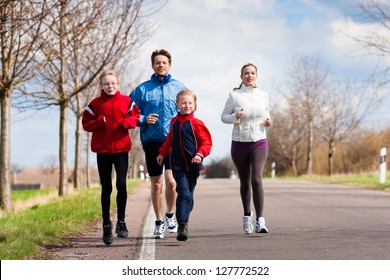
121,163
250,170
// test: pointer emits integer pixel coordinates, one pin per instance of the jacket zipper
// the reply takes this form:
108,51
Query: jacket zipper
181,145
162,110
112,126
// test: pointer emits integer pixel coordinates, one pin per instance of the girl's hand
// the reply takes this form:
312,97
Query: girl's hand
152,118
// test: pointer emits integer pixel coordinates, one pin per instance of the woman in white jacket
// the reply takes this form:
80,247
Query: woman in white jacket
247,109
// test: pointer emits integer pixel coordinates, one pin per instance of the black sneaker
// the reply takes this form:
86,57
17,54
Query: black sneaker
182,233
121,229
107,234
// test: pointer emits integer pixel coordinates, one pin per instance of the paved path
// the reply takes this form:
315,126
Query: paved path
89,245
306,221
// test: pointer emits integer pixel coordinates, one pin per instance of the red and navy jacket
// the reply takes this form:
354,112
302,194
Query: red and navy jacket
109,118
187,137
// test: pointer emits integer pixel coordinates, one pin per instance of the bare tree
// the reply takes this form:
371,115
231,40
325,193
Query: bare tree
375,40
93,33
20,30
286,136
136,156
305,84
49,165
341,112
77,106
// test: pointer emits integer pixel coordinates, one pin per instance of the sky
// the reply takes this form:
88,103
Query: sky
209,42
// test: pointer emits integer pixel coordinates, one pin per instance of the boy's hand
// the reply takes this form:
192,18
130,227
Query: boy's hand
160,159
196,159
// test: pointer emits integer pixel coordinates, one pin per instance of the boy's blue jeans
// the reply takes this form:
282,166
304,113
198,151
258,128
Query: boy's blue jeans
185,187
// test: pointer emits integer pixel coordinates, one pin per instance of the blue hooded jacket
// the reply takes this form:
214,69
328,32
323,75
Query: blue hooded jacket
156,96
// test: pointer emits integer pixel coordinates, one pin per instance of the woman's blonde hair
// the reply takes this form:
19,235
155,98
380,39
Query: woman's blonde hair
109,73
188,92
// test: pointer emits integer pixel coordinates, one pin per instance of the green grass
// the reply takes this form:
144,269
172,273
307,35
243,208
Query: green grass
25,235
23,195
369,180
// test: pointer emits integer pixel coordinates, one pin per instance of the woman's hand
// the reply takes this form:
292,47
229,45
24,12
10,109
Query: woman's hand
240,114
267,122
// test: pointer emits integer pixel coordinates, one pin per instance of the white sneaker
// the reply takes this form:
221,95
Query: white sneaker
247,223
260,226
159,231
171,223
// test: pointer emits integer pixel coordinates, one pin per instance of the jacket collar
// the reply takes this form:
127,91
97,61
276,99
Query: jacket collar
184,118
156,79
108,97
247,88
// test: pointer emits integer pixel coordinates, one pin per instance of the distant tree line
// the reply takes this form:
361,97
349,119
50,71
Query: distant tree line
359,153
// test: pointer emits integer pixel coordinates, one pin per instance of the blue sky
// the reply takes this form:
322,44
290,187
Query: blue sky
209,42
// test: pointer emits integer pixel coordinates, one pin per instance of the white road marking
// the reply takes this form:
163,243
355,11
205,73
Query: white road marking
148,241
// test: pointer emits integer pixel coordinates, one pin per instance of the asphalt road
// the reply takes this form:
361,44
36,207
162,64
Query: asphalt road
306,221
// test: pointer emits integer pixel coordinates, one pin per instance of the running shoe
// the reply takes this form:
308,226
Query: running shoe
260,226
247,223
171,223
182,233
121,229
159,231
107,234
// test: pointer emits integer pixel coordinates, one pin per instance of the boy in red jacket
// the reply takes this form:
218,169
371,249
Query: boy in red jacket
187,144
109,117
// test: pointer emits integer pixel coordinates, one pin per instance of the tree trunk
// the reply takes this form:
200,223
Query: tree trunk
77,155
309,168
293,164
5,184
87,167
63,182
330,157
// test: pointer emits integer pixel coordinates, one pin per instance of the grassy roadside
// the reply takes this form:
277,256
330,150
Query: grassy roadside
24,235
368,180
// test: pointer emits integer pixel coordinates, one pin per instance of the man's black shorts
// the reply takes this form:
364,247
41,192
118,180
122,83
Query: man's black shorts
151,150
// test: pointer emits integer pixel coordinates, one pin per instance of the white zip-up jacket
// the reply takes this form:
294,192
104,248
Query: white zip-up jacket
255,103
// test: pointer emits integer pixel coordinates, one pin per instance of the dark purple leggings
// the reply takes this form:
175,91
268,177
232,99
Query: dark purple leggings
250,170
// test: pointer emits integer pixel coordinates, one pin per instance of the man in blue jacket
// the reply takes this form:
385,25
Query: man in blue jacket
156,99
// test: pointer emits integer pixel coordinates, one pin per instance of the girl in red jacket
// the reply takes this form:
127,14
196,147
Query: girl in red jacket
187,144
109,117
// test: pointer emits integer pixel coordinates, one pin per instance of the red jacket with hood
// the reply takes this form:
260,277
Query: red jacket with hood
109,118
